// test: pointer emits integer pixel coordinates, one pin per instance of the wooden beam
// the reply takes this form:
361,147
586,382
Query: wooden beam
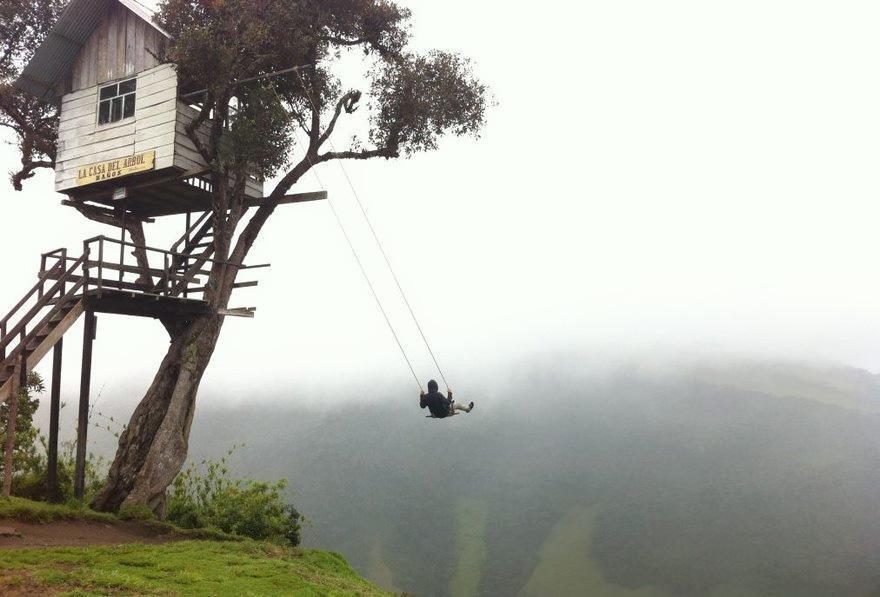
20,372
242,312
54,411
103,212
107,194
79,477
288,199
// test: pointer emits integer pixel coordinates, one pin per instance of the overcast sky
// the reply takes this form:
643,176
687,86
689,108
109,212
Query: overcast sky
696,177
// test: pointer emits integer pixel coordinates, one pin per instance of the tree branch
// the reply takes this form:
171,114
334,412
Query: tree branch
383,152
347,102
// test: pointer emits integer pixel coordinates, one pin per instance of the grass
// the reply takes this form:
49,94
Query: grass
185,568
42,513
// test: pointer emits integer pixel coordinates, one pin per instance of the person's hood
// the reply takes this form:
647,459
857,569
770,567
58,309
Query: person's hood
433,387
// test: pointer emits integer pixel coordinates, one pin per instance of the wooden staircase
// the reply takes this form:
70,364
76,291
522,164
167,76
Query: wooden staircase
169,285
27,336
192,252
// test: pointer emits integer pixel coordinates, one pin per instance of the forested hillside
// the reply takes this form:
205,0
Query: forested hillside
731,479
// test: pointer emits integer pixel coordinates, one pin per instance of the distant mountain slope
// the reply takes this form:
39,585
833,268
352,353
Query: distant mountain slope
734,479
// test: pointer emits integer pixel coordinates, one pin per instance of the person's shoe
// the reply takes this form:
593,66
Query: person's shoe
471,407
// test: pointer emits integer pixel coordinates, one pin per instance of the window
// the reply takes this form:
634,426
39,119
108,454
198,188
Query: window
117,101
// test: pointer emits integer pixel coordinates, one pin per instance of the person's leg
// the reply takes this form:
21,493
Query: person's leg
462,407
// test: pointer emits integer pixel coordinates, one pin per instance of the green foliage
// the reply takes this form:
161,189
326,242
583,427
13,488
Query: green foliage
30,460
23,26
257,137
184,568
136,512
208,498
32,482
25,456
419,98
414,98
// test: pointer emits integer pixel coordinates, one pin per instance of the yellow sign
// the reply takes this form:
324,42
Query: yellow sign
115,168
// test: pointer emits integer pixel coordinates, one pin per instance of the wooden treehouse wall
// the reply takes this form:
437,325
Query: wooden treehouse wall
82,141
122,45
125,46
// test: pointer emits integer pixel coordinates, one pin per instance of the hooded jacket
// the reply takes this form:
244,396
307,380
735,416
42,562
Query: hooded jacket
434,401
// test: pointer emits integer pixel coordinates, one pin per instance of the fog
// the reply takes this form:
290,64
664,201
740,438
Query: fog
686,177
571,477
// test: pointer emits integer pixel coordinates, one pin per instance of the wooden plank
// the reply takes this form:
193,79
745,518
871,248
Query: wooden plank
101,69
79,94
247,313
101,156
94,52
144,134
35,357
84,391
87,109
131,42
55,335
151,46
139,62
93,134
121,17
155,74
83,100
159,143
54,412
146,90
165,111
159,97
110,73
76,122
192,157
68,155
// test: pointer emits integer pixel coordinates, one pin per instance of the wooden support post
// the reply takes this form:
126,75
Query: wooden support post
54,411
9,448
79,479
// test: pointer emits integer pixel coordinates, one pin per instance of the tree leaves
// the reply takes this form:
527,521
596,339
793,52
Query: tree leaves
23,26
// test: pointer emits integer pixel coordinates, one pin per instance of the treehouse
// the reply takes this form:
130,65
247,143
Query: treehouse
124,158
122,132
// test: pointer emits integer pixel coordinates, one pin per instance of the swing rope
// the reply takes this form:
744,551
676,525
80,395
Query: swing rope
384,256
363,269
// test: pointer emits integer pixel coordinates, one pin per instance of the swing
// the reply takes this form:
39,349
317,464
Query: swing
369,282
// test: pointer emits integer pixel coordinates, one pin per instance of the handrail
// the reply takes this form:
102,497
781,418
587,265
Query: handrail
45,321
42,280
194,228
171,253
47,298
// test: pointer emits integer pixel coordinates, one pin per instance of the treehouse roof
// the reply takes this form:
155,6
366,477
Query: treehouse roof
55,57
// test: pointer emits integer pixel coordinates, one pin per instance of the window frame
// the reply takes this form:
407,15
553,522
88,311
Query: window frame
122,99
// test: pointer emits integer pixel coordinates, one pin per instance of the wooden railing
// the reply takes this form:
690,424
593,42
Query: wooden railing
62,279
108,265
54,297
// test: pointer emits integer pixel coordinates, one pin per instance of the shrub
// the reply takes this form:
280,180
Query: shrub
205,497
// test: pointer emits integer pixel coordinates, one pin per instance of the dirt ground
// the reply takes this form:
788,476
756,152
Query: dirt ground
75,533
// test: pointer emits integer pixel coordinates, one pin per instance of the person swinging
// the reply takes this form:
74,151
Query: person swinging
441,406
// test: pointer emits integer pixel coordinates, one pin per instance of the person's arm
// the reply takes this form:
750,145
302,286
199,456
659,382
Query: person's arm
423,400
449,398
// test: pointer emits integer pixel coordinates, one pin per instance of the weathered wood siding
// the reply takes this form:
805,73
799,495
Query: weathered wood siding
82,141
187,157
122,45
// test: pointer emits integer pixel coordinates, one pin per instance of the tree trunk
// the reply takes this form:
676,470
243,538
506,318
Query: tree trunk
153,447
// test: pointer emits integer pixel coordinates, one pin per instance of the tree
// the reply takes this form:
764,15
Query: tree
25,457
235,50
23,25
